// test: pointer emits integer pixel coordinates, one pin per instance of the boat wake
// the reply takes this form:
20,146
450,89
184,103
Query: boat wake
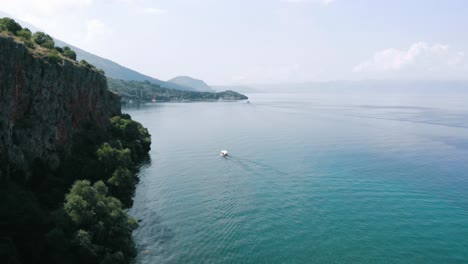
251,165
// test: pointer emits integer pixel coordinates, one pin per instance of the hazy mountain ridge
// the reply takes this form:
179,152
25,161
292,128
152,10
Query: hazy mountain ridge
117,71
112,69
146,92
188,81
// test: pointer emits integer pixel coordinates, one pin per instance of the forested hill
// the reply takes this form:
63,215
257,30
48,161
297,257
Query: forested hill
146,92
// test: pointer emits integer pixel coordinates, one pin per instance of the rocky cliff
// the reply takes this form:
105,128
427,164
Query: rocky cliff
43,104
68,158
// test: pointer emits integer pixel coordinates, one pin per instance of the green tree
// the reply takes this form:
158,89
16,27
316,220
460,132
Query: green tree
44,40
25,34
102,229
111,157
122,185
133,134
10,25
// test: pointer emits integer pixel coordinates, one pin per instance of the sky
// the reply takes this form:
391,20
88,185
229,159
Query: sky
264,41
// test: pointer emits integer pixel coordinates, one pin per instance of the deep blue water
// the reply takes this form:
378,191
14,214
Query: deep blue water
337,177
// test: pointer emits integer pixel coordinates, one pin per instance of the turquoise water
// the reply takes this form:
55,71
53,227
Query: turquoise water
335,177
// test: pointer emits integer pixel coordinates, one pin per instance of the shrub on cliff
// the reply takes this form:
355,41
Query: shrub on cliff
53,56
134,136
30,44
122,185
90,66
24,34
114,159
111,157
69,53
9,25
117,165
43,40
87,64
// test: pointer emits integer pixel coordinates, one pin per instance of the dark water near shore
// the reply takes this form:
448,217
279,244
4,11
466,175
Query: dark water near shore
360,177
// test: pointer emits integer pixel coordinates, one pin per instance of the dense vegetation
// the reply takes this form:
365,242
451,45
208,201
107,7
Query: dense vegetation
146,91
54,54
78,214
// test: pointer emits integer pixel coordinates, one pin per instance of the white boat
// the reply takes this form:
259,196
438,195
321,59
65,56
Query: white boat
223,153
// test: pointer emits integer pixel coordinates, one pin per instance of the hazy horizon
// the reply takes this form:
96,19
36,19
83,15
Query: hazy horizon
263,42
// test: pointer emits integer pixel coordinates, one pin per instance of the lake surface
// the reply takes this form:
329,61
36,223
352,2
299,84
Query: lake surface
320,177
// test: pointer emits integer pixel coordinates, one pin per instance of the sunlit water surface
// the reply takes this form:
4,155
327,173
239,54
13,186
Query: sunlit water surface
322,177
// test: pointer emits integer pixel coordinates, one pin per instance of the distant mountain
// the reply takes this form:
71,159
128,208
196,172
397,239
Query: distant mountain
117,71
146,92
112,69
237,88
196,84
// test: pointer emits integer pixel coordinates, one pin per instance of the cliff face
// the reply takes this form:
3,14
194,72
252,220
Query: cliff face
68,159
42,106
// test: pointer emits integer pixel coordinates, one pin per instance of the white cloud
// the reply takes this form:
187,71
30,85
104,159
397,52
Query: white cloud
420,58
